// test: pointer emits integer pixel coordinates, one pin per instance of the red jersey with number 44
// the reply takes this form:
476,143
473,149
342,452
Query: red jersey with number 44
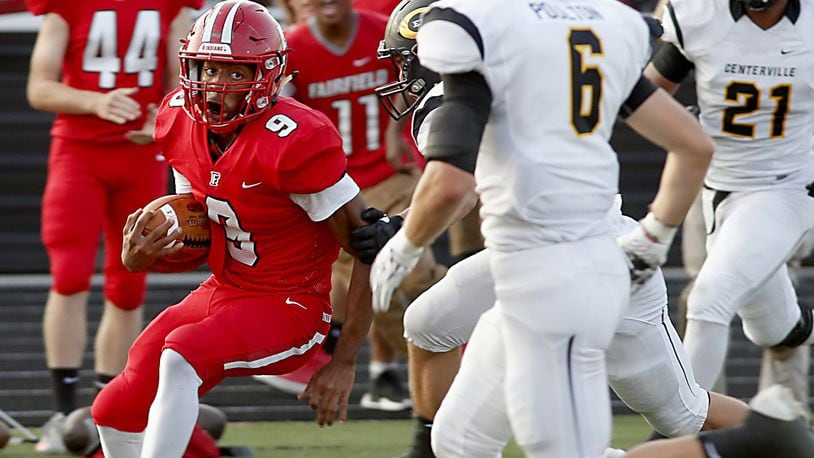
341,83
112,44
265,195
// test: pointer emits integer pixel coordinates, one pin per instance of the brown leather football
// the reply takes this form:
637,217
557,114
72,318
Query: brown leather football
212,420
5,434
190,215
79,433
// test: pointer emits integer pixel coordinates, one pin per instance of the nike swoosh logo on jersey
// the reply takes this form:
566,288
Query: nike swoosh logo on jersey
786,51
360,62
290,302
70,380
249,186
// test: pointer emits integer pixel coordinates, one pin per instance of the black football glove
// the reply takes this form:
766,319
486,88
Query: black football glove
653,26
368,240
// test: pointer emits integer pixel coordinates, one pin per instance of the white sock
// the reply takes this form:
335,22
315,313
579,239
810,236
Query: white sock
706,345
120,444
376,368
174,410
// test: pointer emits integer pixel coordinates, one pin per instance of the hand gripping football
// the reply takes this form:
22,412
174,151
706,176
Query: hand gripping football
190,216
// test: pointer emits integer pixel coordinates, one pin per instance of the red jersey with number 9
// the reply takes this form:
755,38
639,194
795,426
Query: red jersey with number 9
261,239
112,44
341,83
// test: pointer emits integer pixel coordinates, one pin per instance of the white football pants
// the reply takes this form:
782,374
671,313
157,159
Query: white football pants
750,237
556,399
647,366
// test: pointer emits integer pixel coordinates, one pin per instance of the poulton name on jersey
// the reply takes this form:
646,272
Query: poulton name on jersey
759,70
348,84
564,12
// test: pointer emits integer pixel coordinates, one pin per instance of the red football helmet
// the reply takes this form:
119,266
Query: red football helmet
234,31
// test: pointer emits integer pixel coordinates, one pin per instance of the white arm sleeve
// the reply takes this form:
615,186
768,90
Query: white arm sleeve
182,185
323,204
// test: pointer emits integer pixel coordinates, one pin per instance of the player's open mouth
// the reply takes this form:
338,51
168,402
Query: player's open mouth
213,108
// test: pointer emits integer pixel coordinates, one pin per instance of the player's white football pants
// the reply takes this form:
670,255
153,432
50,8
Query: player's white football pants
646,364
554,331
750,237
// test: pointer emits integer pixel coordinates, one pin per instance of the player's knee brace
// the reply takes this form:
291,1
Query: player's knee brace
801,331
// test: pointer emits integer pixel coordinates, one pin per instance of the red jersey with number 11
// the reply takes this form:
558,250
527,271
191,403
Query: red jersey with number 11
341,83
113,44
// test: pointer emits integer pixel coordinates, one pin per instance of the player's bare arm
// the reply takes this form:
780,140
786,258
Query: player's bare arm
140,251
660,80
444,194
45,91
370,239
329,389
446,186
666,123
446,189
658,117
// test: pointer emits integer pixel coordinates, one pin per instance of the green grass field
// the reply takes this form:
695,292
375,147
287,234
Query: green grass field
354,439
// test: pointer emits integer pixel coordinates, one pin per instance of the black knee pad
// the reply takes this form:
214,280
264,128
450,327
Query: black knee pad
800,332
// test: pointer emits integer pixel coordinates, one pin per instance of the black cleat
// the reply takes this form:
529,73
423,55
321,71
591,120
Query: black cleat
422,447
236,450
387,393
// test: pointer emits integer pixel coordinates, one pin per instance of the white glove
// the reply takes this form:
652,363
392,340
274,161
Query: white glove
646,247
396,259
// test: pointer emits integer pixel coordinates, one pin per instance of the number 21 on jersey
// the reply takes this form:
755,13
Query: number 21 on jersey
101,50
746,95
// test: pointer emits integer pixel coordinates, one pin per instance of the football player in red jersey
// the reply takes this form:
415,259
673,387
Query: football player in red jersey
337,74
384,7
271,172
102,66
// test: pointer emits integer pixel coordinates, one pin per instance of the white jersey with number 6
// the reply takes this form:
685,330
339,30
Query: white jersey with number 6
558,72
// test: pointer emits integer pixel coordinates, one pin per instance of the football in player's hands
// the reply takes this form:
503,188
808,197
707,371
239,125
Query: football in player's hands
368,240
190,216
